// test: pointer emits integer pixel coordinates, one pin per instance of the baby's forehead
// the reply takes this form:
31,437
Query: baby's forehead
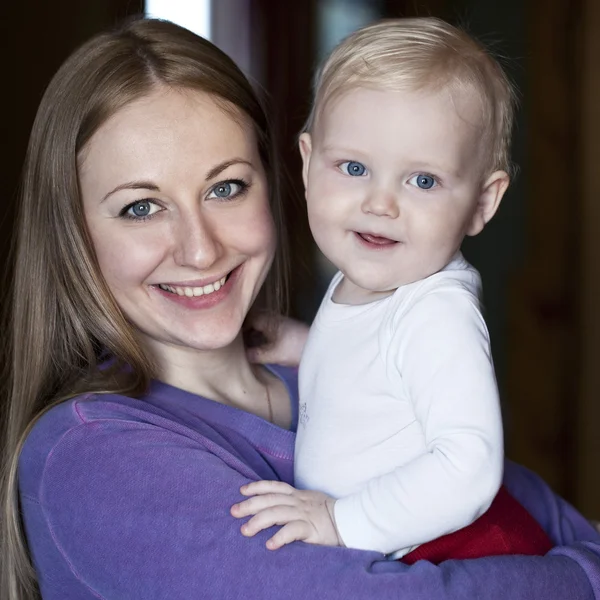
403,126
452,99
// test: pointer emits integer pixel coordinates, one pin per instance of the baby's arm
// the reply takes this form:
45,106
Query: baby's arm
440,354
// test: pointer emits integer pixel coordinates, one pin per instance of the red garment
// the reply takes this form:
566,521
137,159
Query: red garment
506,528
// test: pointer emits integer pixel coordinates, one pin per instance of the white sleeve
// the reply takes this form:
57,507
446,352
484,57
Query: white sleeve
442,355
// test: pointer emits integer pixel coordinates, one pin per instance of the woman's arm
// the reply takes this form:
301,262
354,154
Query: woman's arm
139,512
559,519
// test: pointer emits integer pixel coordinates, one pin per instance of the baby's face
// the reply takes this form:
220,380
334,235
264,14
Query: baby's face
394,181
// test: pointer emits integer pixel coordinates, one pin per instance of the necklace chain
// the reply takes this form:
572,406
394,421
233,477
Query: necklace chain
270,407
267,393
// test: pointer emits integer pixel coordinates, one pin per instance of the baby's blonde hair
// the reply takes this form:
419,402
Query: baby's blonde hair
416,54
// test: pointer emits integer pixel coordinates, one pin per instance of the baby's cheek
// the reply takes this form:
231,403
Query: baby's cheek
321,214
328,241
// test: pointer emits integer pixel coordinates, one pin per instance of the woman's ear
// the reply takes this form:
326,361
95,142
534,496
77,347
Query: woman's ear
305,144
490,196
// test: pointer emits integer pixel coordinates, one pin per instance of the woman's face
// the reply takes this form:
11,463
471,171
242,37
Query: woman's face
176,202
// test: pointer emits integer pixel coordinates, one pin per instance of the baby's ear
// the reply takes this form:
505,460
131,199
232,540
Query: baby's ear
305,144
490,196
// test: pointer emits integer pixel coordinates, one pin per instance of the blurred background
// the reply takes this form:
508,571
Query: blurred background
540,256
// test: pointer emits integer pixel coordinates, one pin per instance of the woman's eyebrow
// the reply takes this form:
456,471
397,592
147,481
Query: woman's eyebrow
226,164
133,185
148,185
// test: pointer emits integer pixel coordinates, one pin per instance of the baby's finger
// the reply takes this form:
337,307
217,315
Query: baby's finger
277,515
266,487
292,532
257,504
257,355
261,321
262,355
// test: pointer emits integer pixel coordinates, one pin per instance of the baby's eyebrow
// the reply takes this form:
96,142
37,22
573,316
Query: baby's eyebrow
345,150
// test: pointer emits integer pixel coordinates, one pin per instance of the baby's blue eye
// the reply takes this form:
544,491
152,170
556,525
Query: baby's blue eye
423,181
353,168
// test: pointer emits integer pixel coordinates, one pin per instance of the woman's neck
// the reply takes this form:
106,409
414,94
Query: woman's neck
224,375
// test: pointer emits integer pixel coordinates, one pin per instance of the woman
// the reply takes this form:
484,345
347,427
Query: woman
147,232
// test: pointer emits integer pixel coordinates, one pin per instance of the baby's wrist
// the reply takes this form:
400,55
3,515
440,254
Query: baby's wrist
330,504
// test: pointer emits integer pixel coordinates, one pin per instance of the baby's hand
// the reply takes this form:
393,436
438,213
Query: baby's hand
305,515
282,342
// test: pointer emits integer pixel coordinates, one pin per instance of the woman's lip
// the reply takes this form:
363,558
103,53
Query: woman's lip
197,282
206,300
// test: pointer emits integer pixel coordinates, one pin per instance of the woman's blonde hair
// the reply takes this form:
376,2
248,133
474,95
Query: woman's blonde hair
417,54
63,321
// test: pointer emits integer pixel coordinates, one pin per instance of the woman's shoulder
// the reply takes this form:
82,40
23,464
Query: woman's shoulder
57,423
86,409
115,426
90,420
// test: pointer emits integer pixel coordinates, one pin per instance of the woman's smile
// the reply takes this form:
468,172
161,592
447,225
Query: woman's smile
196,295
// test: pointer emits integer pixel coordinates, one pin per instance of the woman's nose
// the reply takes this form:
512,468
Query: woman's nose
381,203
196,244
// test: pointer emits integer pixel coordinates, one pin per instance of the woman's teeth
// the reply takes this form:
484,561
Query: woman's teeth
194,291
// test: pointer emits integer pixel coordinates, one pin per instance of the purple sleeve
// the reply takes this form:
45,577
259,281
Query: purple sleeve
138,512
568,529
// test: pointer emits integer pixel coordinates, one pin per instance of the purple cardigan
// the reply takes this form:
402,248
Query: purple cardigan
125,498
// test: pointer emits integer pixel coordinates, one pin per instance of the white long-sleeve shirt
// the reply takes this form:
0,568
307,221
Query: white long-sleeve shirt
399,412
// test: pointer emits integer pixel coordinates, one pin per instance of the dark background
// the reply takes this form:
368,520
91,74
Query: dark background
539,257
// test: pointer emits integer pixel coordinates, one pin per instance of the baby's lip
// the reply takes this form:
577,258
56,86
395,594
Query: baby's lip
374,238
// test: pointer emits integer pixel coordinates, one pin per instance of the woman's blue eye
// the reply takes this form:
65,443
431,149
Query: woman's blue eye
139,210
227,190
353,168
223,190
423,181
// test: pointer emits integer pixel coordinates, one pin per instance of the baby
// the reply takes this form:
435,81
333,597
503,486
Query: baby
405,153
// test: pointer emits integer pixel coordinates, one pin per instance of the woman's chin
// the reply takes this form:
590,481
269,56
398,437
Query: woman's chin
218,339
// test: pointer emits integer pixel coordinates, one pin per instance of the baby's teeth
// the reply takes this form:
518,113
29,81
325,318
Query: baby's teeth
209,289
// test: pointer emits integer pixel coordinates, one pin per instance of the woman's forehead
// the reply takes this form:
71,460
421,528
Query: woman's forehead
171,120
